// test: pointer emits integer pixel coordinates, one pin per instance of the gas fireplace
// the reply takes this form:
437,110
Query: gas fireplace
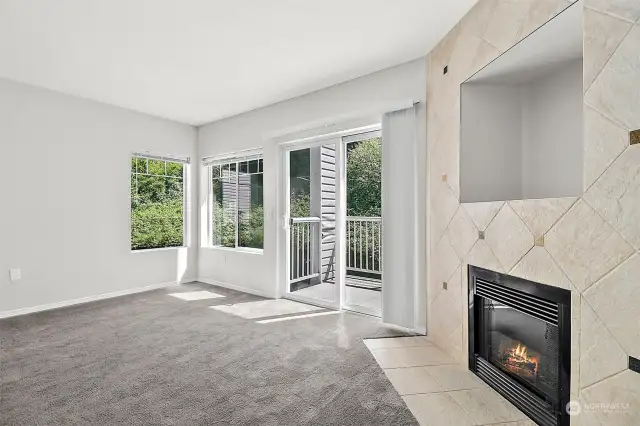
520,342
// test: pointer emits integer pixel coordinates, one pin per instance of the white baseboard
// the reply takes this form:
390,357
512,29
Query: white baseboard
56,305
236,287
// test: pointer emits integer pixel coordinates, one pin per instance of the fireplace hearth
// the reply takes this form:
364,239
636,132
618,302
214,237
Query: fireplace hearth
520,342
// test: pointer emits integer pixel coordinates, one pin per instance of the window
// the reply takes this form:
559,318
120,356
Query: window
157,202
236,202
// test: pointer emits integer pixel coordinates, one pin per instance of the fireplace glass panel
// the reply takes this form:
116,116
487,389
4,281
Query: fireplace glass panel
524,347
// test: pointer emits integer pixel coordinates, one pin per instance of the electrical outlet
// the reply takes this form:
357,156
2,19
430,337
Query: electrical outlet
444,285
15,275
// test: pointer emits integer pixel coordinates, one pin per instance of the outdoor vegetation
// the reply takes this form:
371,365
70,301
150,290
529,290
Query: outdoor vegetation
364,178
156,204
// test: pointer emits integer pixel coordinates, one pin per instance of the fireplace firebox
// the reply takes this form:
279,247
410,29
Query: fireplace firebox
520,342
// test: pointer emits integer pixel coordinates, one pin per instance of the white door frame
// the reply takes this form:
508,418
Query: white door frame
284,229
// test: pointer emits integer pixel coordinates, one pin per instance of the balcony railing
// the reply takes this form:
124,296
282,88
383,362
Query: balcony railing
364,244
363,241
305,248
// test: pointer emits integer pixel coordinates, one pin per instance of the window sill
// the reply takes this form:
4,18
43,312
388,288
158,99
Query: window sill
244,250
158,249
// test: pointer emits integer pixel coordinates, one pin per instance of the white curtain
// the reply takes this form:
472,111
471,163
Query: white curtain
400,225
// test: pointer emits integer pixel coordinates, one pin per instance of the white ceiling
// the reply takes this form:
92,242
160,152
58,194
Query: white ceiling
196,61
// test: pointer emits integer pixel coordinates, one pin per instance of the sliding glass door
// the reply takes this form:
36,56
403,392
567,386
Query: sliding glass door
333,221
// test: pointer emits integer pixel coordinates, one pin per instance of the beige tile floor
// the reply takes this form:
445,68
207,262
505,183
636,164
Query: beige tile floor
438,390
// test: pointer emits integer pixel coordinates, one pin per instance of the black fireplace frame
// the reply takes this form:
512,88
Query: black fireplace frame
525,399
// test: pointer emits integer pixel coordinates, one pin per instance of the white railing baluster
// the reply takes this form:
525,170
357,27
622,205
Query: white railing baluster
364,244
305,246
366,236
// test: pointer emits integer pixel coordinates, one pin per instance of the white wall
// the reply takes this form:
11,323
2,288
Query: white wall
552,134
65,214
350,100
491,131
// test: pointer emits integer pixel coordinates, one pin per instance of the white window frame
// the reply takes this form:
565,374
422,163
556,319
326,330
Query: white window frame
185,162
237,158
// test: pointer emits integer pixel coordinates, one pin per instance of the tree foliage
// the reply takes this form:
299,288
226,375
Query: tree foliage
364,178
156,204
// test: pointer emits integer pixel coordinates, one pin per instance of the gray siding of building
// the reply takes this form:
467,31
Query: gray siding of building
328,212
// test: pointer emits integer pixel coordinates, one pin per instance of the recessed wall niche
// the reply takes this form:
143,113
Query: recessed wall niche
521,125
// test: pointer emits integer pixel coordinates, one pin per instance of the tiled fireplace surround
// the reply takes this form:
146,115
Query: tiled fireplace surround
589,245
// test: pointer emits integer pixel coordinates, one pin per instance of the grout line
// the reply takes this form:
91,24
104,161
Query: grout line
602,380
584,91
608,330
615,229
612,119
609,14
612,161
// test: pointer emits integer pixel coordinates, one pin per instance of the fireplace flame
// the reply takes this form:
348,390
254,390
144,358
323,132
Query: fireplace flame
517,358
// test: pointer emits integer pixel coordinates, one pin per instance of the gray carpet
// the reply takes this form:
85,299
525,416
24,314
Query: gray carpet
152,359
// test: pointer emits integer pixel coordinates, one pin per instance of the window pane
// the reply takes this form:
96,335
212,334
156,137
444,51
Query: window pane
174,169
253,166
157,217
215,172
300,178
134,165
223,196
251,211
244,167
141,165
156,167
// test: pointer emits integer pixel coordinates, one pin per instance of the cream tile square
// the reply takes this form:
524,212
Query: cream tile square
482,256
506,22
394,358
537,265
437,409
462,233
585,246
541,215
602,36
444,318
477,19
622,393
600,354
408,381
483,213
616,195
616,300
455,377
444,264
508,237
444,209
615,91
430,356
604,141
626,9
540,12
486,406
196,295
